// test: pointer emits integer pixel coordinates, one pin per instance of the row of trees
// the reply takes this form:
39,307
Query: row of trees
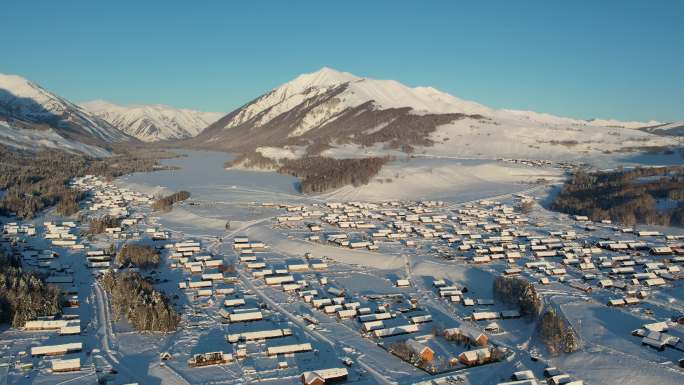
526,206
34,181
145,308
402,350
23,295
626,196
556,334
518,292
166,203
252,159
552,328
319,174
142,256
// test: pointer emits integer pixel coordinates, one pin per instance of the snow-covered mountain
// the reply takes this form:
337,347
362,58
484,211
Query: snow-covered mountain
31,116
670,129
151,123
325,112
335,113
327,106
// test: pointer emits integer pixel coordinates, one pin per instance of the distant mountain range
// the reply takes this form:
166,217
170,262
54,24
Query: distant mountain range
152,123
327,112
32,117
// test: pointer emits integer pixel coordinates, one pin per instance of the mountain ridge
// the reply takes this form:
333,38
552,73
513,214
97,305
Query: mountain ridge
152,122
669,129
32,117
326,110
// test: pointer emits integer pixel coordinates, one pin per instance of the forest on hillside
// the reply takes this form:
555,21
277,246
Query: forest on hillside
34,181
643,195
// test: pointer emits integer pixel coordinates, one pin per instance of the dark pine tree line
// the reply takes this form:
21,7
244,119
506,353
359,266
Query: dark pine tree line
556,334
99,225
518,292
166,203
626,196
142,256
145,308
552,328
319,174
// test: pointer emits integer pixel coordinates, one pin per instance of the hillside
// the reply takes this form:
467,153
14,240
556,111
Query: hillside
337,114
671,129
151,123
32,117
327,106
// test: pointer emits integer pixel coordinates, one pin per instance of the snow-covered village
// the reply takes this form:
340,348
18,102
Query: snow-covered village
357,193
286,290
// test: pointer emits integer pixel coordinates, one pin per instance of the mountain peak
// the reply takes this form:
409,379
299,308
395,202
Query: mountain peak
98,105
19,86
11,79
324,77
25,106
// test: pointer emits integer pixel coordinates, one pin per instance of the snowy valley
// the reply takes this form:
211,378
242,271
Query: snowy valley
444,265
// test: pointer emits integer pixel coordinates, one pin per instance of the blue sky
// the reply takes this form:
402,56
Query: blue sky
609,58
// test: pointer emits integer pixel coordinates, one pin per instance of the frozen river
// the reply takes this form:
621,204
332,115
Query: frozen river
219,196
454,180
203,174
